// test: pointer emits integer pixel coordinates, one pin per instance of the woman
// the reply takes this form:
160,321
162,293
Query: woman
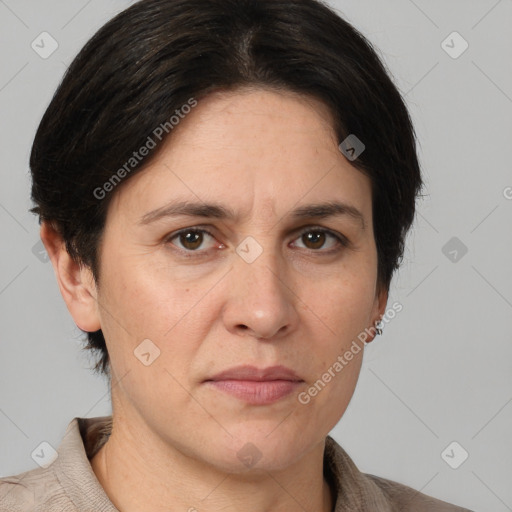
224,189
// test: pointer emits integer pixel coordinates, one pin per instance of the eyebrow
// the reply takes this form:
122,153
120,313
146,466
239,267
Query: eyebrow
217,211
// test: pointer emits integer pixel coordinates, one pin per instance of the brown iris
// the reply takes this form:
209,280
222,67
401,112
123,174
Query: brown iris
191,239
316,238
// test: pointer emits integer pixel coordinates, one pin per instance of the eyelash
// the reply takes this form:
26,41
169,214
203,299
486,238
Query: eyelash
342,240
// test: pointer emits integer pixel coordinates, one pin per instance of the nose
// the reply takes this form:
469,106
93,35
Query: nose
262,302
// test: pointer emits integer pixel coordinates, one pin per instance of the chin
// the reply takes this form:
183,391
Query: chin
261,449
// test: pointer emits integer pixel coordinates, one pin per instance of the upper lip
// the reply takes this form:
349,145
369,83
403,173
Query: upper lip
248,372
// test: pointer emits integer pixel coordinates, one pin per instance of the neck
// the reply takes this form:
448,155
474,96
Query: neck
141,474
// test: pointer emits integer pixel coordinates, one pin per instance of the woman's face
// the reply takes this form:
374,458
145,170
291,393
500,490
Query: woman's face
258,277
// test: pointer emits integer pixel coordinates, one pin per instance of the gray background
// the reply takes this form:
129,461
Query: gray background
442,370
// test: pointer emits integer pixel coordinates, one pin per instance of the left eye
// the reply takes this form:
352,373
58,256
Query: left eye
316,238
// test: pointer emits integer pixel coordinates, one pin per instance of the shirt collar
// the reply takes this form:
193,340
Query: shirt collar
73,468
354,491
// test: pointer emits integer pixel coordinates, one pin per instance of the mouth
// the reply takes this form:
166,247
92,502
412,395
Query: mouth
256,386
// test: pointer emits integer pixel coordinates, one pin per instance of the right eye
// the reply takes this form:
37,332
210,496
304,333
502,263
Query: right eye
191,239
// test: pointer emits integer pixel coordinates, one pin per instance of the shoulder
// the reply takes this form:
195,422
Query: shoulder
66,481
407,499
361,491
32,491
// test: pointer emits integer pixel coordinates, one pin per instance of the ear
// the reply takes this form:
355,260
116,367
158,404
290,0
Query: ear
76,283
379,308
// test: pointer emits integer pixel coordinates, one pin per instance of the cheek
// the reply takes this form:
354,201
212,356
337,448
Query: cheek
345,307
153,305
146,299
328,395
152,332
346,304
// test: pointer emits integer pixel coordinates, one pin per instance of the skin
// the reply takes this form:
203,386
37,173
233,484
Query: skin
300,304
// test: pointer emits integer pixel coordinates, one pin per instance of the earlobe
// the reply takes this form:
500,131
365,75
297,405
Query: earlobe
76,283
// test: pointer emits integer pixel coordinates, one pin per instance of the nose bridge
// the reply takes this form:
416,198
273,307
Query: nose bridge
260,266
260,297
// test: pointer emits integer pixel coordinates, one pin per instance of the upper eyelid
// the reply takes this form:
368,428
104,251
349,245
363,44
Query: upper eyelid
341,238
199,229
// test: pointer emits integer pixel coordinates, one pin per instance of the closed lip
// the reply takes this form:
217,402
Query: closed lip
252,373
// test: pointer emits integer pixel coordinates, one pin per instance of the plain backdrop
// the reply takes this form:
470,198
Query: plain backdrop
442,370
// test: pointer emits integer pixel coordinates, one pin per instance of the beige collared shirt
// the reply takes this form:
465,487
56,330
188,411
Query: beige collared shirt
69,484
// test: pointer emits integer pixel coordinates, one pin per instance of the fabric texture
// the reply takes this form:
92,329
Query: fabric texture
70,485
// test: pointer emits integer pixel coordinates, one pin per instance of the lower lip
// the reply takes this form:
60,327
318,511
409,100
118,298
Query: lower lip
257,392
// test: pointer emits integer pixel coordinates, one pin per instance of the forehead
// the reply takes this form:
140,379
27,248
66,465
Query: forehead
249,148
